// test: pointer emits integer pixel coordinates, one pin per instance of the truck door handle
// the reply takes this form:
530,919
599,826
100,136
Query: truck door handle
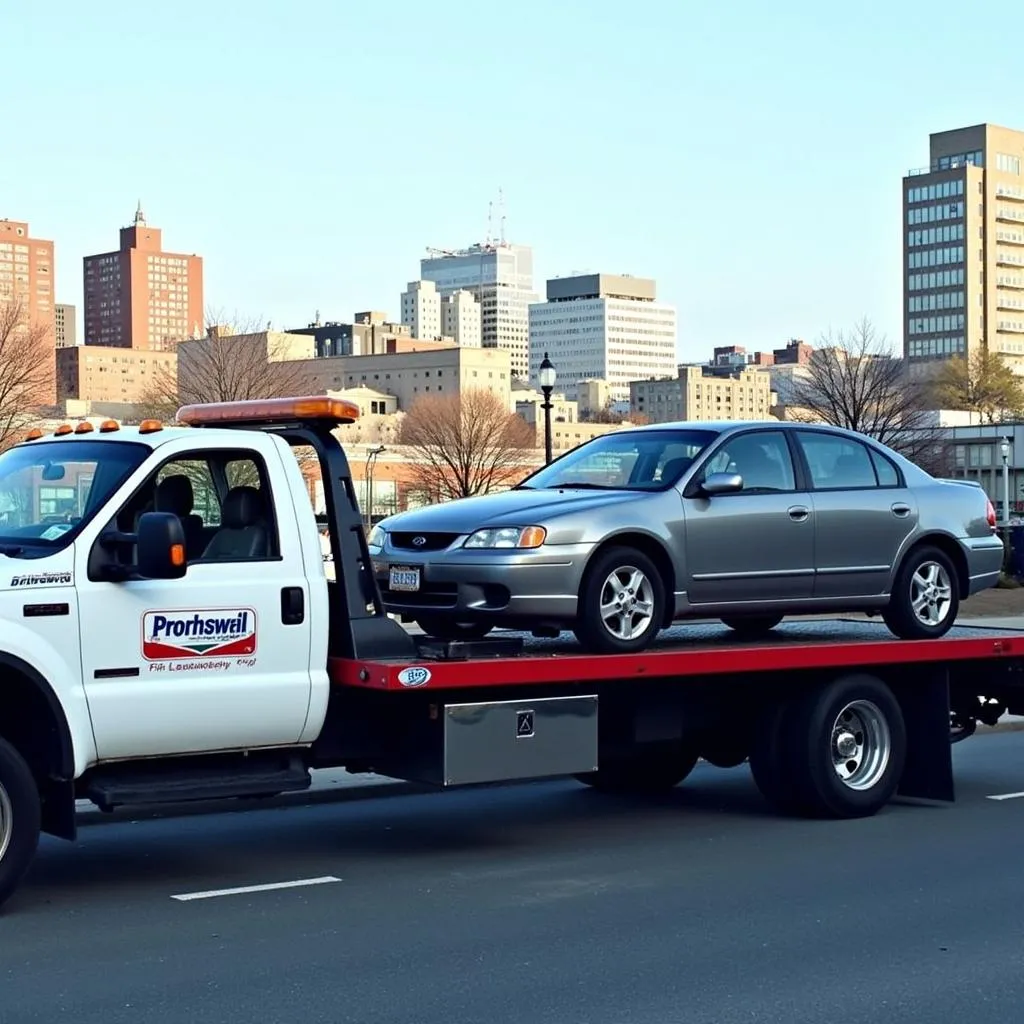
900,510
798,513
293,606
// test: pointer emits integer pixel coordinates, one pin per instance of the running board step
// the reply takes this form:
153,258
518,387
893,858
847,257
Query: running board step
127,785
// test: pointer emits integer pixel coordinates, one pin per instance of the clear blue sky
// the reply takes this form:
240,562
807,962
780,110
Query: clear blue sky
748,155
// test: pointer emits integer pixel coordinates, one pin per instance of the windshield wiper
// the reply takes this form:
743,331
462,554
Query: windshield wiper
582,485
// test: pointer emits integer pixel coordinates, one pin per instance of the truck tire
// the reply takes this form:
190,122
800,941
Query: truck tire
749,626
621,602
19,819
442,628
835,751
650,772
927,578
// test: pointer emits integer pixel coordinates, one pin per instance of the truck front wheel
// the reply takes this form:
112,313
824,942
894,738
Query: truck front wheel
835,751
19,819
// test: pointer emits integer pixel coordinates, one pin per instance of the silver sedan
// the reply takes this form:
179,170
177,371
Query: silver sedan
747,522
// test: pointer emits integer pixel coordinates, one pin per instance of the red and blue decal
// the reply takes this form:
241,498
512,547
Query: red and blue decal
199,633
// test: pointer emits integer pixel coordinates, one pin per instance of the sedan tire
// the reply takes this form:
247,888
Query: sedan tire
925,598
621,603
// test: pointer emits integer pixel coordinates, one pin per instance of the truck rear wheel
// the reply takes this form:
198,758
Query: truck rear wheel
19,819
650,772
836,751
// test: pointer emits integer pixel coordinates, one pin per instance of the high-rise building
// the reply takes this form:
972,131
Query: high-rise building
462,319
65,326
499,275
141,296
963,248
457,316
27,279
603,326
421,309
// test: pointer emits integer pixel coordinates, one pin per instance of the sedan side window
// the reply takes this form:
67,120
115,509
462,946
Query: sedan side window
837,463
762,458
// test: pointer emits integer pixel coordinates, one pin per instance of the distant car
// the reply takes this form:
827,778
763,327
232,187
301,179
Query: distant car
747,522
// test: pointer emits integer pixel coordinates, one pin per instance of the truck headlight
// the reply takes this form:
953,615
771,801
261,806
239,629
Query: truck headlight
507,537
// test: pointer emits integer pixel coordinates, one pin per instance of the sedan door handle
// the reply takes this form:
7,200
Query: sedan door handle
798,513
900,510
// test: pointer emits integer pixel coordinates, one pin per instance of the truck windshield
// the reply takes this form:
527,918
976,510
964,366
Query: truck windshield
49,491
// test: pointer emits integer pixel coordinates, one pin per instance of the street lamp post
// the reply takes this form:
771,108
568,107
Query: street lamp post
1004,450
546,377
371,462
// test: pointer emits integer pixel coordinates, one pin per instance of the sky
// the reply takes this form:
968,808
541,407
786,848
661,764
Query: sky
746,155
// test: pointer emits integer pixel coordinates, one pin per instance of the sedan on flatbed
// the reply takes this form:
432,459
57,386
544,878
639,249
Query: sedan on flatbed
746,522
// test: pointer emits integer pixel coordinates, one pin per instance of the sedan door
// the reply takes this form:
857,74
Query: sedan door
756,544
863,514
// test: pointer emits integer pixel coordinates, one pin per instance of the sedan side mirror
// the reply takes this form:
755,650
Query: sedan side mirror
722,483
160,546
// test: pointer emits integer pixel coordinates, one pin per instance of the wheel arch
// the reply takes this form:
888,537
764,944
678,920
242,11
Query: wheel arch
655,549
33,720
949,546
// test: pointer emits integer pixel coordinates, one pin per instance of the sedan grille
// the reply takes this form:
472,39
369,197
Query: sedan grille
422,541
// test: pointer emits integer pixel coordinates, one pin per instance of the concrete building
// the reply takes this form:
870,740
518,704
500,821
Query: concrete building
410,375
462,319
27,279
420,306
499,276
744,394
604,326
65,325
103,373
371,334
963,248
140,296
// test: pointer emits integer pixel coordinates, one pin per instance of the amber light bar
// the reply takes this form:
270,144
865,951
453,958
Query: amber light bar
270,410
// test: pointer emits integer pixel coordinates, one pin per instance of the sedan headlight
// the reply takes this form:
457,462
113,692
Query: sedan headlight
508,537
377,536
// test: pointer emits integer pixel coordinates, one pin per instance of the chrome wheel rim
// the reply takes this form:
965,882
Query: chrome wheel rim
627,602
931,593
6,822
861,745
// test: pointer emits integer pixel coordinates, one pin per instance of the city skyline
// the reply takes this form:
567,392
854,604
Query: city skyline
767,160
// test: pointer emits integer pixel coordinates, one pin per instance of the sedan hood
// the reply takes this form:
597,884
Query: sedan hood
508,508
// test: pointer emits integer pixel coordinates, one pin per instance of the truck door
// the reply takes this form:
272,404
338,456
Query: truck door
220,658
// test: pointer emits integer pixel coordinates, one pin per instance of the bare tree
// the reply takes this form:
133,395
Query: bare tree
235,361
26,371
466,444
855,380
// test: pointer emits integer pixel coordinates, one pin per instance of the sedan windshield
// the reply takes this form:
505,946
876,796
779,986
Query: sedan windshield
49,491
648,460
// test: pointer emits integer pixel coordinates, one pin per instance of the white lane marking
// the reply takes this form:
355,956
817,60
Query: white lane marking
242,890
1007,796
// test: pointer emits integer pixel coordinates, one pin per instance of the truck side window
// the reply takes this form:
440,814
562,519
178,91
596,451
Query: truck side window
222,499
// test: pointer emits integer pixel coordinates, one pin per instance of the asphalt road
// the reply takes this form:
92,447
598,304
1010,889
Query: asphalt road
535,904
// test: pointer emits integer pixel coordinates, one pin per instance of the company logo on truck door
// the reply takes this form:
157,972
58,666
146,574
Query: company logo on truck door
199,633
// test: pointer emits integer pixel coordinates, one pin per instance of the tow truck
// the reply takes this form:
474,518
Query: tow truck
168,633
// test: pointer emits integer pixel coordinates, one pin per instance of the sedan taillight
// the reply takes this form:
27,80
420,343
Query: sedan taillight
990,514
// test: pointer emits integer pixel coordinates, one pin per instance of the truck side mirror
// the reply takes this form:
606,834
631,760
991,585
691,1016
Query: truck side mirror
160,546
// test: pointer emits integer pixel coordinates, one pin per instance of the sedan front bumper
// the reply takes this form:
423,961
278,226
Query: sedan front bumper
512,586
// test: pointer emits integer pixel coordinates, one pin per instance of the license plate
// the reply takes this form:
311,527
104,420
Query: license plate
403,578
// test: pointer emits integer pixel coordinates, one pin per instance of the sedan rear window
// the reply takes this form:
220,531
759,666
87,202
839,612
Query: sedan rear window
649,460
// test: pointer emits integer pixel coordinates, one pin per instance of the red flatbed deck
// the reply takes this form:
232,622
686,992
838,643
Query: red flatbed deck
685,650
